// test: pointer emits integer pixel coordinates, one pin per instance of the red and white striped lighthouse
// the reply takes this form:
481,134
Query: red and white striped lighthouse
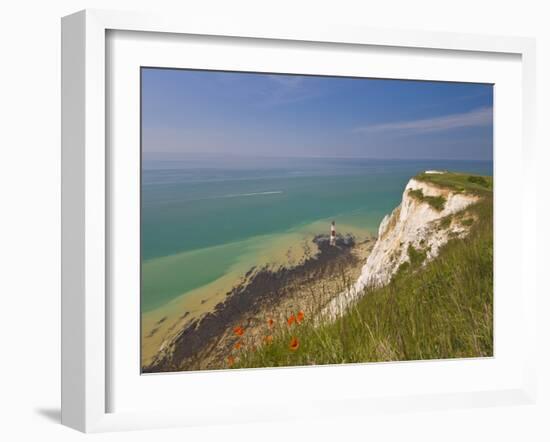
332,234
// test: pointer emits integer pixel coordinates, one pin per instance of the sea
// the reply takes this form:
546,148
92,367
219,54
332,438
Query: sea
205,221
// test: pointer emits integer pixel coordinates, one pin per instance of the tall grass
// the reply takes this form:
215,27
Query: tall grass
443,309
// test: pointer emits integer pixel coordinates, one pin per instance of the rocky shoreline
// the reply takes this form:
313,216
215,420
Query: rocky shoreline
206,342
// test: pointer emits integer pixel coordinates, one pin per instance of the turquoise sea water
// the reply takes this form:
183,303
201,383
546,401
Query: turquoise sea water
200,216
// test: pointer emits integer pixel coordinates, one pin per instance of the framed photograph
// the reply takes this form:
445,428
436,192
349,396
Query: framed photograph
292,222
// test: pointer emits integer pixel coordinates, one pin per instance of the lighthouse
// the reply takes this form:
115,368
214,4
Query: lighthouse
332,234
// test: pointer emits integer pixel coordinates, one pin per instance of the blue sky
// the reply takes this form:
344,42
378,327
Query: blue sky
188,112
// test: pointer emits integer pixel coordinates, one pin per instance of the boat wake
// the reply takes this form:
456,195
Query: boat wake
239,195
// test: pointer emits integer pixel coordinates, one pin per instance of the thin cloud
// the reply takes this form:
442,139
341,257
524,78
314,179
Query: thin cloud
288,89
475,118
289,81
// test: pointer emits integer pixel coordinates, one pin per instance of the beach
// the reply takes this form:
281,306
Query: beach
260,303
282,251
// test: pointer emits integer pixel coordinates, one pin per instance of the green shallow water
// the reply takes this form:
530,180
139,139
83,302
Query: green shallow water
202,219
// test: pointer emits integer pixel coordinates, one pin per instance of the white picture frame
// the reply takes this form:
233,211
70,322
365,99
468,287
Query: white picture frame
86,204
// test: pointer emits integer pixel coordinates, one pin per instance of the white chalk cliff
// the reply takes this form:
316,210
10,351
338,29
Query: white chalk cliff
413,223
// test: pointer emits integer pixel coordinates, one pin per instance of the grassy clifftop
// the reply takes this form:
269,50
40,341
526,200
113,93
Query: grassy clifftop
443,309
460,182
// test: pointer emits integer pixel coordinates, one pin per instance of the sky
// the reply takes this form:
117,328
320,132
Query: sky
188,112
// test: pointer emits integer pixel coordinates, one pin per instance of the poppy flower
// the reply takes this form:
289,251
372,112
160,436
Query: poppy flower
239,331
294,343
268,339
291,319
230,360
300,316
238,345
270,323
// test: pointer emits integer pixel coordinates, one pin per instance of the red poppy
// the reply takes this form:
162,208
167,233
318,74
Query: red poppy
291,319
230,360
270,323
300,316
294,343
239,331
238,345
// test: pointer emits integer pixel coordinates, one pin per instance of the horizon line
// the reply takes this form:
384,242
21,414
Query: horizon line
312,156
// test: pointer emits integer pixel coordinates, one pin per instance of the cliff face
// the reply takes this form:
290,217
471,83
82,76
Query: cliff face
414,231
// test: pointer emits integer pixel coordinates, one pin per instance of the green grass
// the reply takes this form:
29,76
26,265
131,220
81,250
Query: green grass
416,256
443,309
445,222
437,202
460,182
